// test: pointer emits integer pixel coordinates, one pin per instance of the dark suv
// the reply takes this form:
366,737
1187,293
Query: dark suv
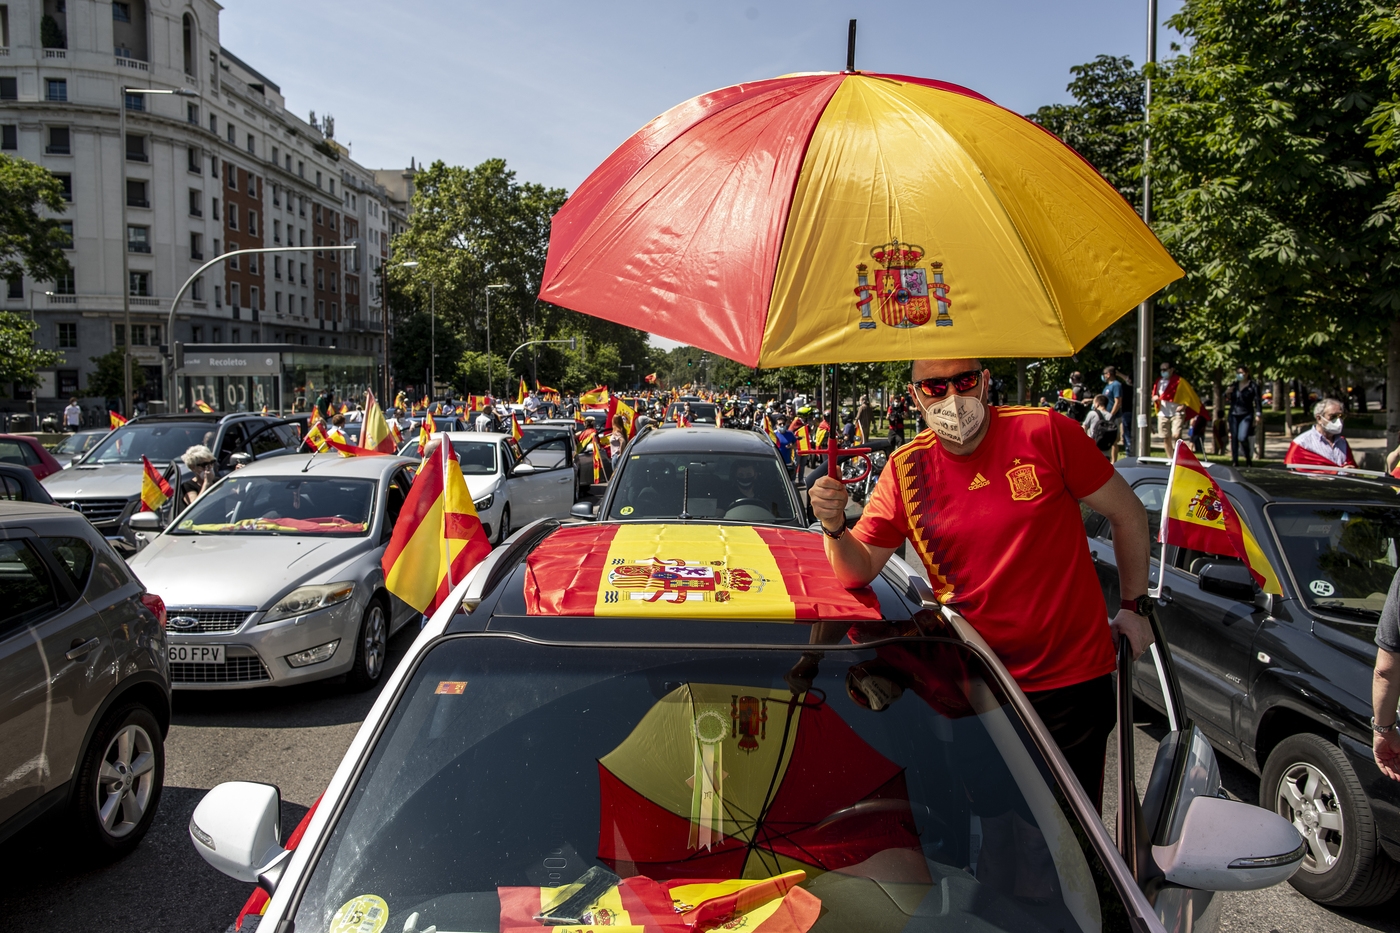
1283,684
105,485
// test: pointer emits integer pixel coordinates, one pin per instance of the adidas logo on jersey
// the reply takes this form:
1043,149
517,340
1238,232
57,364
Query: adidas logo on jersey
978,482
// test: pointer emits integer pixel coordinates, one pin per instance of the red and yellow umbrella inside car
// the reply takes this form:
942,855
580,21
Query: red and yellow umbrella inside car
852,217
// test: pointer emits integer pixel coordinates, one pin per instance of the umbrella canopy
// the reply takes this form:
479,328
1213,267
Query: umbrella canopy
852,217
735,782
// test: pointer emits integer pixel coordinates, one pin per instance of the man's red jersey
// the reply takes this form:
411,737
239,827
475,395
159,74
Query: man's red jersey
1001,534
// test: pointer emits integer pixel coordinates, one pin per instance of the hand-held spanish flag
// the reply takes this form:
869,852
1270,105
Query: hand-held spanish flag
116,420
203,406
598,476
521,392
617,406
428,430
374,433
650,378
155,491
438,537
820,439
1178,390
515,430
768,430
1199,516
804,440
596,396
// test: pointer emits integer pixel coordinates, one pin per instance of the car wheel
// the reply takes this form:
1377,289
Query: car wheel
120,780
371,647
1309,782
503,531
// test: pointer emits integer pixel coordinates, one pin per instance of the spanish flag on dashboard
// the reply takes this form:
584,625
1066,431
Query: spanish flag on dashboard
1199,516
438,538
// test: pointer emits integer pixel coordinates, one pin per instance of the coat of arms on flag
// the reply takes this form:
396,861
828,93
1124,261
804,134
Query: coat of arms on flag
904,292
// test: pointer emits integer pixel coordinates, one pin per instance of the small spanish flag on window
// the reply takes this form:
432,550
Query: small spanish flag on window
155,491
203,406
515,430
116,419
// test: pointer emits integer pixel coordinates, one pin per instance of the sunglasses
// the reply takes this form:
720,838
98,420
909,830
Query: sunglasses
962,382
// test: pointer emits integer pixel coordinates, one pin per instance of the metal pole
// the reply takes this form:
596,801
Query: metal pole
1142,435
851,47
490,390
126,260
432,342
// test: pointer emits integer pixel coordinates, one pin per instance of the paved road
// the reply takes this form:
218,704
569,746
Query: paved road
295,739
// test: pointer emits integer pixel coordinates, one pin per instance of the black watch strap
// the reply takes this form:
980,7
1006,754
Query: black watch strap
1139,605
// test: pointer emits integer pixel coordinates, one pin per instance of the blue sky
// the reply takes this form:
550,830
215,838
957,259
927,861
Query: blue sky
553,87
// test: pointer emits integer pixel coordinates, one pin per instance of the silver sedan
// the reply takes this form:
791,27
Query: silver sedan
273,576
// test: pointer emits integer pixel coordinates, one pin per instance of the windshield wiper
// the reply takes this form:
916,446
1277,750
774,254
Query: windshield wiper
1334,606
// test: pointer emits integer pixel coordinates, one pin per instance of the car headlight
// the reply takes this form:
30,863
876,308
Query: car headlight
306,599
484,502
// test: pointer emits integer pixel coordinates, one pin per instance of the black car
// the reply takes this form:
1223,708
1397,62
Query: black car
700,473
19,484
1283,684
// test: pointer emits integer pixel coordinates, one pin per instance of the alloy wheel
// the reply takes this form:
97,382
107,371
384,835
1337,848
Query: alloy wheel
125,780
375,641
1306,798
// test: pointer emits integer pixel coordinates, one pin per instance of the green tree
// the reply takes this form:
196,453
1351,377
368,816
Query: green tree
106,380
20,359
1104,123
30,243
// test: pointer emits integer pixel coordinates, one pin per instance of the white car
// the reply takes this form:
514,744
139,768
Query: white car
509,487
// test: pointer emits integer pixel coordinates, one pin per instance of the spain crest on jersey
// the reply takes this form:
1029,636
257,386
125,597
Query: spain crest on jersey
1025,484
904,293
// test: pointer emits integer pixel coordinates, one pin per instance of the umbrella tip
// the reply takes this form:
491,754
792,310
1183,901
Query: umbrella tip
851,47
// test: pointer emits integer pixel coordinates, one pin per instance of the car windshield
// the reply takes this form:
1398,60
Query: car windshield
157,441
477,458
700,412
77,443
285,505
1343,557
666,781
734,487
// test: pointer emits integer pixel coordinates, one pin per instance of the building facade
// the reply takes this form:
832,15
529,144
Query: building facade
223,167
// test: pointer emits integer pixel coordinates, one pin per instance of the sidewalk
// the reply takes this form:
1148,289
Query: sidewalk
1369,451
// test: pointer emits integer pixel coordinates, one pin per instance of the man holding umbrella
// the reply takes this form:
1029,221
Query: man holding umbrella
989,497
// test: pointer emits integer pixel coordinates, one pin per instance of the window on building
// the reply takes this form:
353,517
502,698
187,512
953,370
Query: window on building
252,185
253,263
197,289
217,250
192,114
301,235
233,296
276,267
233,260
15,287
65,284
301,168
303,276
136,148
320,308
335,311
254,295
274,155
155,335
252,223
318,215
276,231
134,101
213,166
193,162
235,335
332,186
318,179
136,193
9,89
251,144
119,335
196,202
196,334
229,131
187,35
59,141
213,124
138,239
66,226
121,12
333,282
65,181
232,173
277,301
9,136
233,216
301,207
303,308
56,89
138,335
218,297
140,284
289,162
196,246
67,383
320,279
276,196
218,335
67,336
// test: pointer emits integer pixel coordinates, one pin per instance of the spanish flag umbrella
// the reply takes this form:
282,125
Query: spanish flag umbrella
722,781
852,217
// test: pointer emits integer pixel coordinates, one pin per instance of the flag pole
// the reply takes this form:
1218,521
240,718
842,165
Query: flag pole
1155,592
446,541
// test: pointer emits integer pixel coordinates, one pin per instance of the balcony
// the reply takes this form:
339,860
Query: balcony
137,157
135,64
55,53
4,50
196,212
109,302
137,202
136,246
196,255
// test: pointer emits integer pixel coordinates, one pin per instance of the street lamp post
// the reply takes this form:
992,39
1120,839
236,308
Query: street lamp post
122,92
174,302
571,341
1141,429
490,388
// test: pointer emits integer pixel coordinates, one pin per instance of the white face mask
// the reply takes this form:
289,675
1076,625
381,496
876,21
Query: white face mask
955,418
1333,427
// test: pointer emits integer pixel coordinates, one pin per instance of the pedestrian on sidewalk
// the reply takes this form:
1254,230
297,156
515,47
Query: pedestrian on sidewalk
1242,402
1011,479
1100,427
1172,395
1113,391
1322,444
72,416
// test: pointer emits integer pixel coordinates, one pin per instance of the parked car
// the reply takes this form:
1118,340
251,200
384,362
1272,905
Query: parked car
84,689
23,450
19,484
273,576
872,767
507,489
700,473
1283,684
105,485
71,449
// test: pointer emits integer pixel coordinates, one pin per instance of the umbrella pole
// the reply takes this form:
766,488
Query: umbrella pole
833,423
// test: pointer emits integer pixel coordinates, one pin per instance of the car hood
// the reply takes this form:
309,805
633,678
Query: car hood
479,486
106,481
238,570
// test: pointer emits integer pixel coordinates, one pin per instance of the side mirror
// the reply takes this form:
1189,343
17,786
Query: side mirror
1230,580
240,459
584,510
237,829
1226,845
523,469
145,521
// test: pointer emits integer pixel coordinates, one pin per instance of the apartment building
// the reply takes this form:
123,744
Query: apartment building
219,167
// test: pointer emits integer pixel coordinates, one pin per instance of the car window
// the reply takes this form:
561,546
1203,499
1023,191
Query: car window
13,452
26,590
11,489
548,454
737,487
679,768
282,505
30,455
267,441
476,458
75,555
235,441
1342,557
395,497
1152,493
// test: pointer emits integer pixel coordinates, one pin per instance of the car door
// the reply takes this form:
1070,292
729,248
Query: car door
521,492
552,457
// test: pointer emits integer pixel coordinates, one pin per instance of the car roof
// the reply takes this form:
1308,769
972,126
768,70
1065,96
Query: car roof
472,435
18,511
1276,485
325,465
702,439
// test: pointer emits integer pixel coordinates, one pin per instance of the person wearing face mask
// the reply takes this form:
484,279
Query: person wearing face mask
989,499
1177,403
1322,444
1241,401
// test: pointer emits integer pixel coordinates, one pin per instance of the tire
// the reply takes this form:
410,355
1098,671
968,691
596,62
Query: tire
119,781
503,531
1308,781
371,647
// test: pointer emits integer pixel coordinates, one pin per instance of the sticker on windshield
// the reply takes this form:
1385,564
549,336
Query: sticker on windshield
455,687
1322,588
626,510
364,914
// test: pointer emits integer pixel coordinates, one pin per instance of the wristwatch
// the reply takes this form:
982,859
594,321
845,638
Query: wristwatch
1139,605
1381,730
836,535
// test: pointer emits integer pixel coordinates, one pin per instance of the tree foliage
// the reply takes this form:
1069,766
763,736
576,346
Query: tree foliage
29,242
106,380
20,359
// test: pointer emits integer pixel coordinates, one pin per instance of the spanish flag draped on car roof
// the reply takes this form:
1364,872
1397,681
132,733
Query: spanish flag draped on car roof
741,572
